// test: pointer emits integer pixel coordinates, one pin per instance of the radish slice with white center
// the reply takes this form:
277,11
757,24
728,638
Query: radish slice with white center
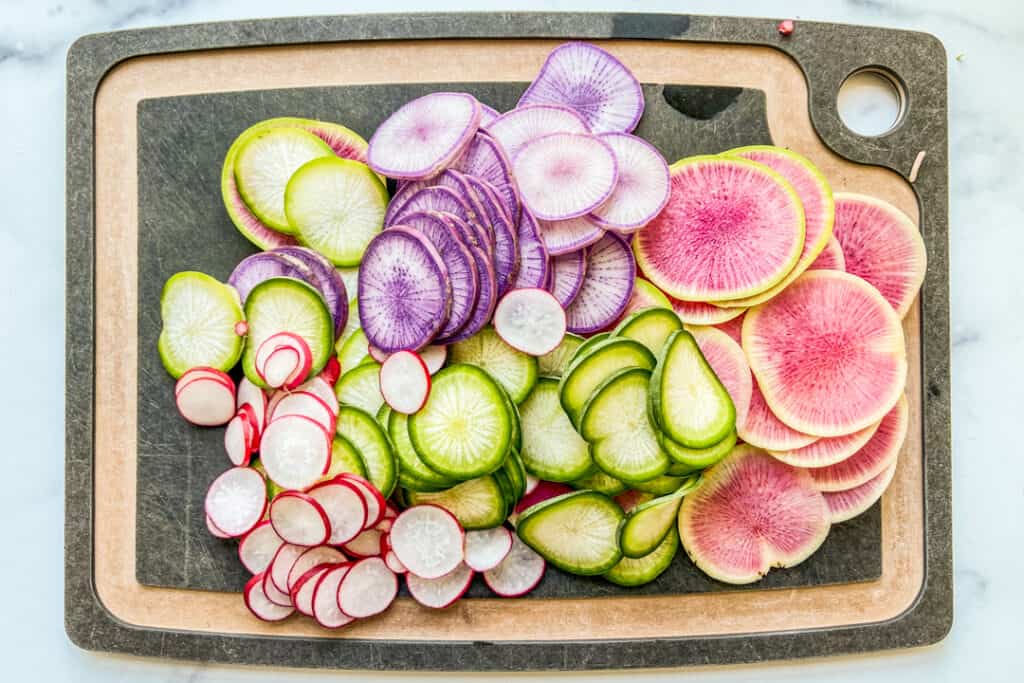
424,136
280,365
304,403
405,382
206,402
569,236
390,512
428,540
607,286
372,497
252,395
519,573
440,592
214,531
368,588
202,373
295,451
257,550
487,114
280,567
238,439
516,128
305,587
533,255
395,564
273,593
384,525
565,175
532,483
530,320
345,509
319,387
236,500
567,275
325,598
434,357
486,548
260,605
299,519
284,368
643,187
313,557
255,427
366,544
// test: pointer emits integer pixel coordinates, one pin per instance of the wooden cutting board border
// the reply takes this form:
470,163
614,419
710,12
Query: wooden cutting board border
825,52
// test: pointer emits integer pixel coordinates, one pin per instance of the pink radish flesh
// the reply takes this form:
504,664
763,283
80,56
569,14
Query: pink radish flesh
259,604
206,402
344,507
295,451
331,371
440,592
726,358
565,175
643,186
763,429
326,610
395,564
570,235
375,503
214,531
255,424
522,125
281,567
700,313
541,492
530,320
871,459
733,328
428,540
830,258
844,505
828,450
305,587
313,557
405,382
607,286
307,404
236,500
517,574
299,519
366,544
567,276
237,439
202,373
486,548
257,549
369,588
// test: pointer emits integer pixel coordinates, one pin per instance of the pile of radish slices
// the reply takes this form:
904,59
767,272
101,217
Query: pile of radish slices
542,345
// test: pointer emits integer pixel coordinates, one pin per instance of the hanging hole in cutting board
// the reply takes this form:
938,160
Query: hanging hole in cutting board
871,101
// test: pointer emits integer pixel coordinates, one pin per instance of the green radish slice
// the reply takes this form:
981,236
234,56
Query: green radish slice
354,350
514,370
336,206
516,472
845,505
725,356
360,387
350,276
616,423
830,258
870,460
576,532
602,483
552,449
599,363
282,304
631,572
649,326
477,504
698,458
464,429
363,432
411,467
663,485
344,458
648,523
732,228
585,348
199,317
265,162
687,398
553,363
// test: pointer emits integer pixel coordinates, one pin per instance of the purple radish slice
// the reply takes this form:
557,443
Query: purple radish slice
844,505
343,507
279,569
302,591
440,592
530,320
326,279
324,391
428,540
326,610
313,557
310,405
258,548
549,282
607,286
518,573
299,519
251,395
872,458
476,206
431,198
404,292
524,124
764,430
376,506
205,401
593,83
254,269
725,356
830,258
434,357
236,501
238,440
214,531
405,382
295,451
506,247
487,114
643,187
565,175
472,233
366,544
700,313
424,136
484,158
367,589
486,548
395,564
260,605
568,271
485,301
533,255
569,236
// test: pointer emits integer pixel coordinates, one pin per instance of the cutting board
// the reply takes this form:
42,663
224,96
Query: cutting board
150,115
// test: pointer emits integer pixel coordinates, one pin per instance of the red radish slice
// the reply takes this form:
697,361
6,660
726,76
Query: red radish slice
519,573
309,405
607,286
258,548
726,358
486,548
283,360
395,564
567,273
255,425
305,587
434,357
700,313
485,158
565,175
592,82
299,519
260,605
440,592
827,450
541,492
428,540
237,440
569,236
516,128
376,506
312,558
844,505
390,512
331,371
643,187
764,430
206,402
532,483
273,593
367,589
281,566
236,500
384,525
377,354
405,382
872,459
733,328
326,610
214,531
424,136
344,507
323,390
281,364
202,373
366,544
830,258
295,451
530,320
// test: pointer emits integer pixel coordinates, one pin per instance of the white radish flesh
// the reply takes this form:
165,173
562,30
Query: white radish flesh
298,518
428,540
405,382
295,451
440,592
565,175
319,387
325,599
206,402
530,320
202,373
486,548
395,564
522,125
257,550
643,187
375,503
236,500
249,393
368,588
281,567
313,557
345,509
302,592
518,574
273,593
303,403
238,439
214,531
281,364
258,603
434,357
366,544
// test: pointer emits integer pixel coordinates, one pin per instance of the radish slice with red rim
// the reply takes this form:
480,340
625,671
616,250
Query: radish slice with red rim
533,255
440,592
295,451
565,175
312,558
304,588
372,497
405,382
643,187
384,525
259,603
309,405
517,574
214,531
366,544
331,371
434,357
607,286
530,320
300,519
344,507
236,501
238,440
273,593
377,354
428,540
486,548
281,340
485,159
325,598
568,271
202,372
390,512
280,568
322,389
395,564
522,125
569,236
255,425
280,365
206,401
257,549
367,589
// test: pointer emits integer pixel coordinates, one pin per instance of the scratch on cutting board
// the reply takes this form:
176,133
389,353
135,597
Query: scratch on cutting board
917,166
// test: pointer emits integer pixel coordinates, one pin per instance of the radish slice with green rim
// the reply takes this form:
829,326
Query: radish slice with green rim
214,531
260,605
569,236
428,540
326,610
518,573
252,395
726,358
295,451
367,589
532,483
565,175
206,402
530,320
424,136
376,506
434,357
326,279
485,159
238,440
257,549
533,255
344,508
279,569
607,286
305,587
522,125
313,557
395,564
568,271
486,548
307,404
405,382
236,500
440,592
643,187
366,544
299,519
845,505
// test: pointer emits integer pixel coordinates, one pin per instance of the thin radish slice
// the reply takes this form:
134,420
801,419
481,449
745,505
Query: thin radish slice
260,605
440,592
424,136
366,544
323,390
872,459
280,567
331,371
567,273
428,540
299,519
214,531
433,198
273,593
238,439
206,402
254,269
312,558
255,425
700,313
519,573
565,175
472,198
281,364
384,526
236,500
325,279
326,610
827,451
725,356
485,302
295,451
202,373
530,320
367,589
533,255
344,507
830,258
486,548
733,328
377,354
764,430
376,506
484,158
522,125
258,548
305,587
506,241
283,360
532,483
607,286
643,187
844,505
405,382
487,114
395,564
434,357
544,490
569,236
390,512
443,201
309,405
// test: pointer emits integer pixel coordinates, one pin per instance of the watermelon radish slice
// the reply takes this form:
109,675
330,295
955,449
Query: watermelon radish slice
310,405
257,549
828,353
872,458
295,451
530,320
299,519
607,286
844,505
645,295
764,430
533,255
312,558
518,573
303,590
440,592
830,258
733,328
428,540
206,402
643,187
732,228
567,273
326,609
752,513
404,292
700,313
236,501
405,382
882,245
827,450
260,605
565,175
506,243
568,236
725,356
486,548
514,129
367,589
485,159
593,83
424,136
238,440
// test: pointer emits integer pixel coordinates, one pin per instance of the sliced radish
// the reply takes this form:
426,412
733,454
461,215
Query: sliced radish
344,507
434,357
325,598
287,369
486,548
367,589
258,548
375,503
295,451
844,505
607,286
312,558
331,371
214,531
487,114
567,276
308,404
298,518
377,354
569,236
281,567
255,426
202,372
260,605
542,491
236,500
443,591
385,525
320,387
282,363
273,593
238,439
532,483
366,544
522,125
251,395
428,540
405,382
565,175
305,587
533,255
643,187
206,401
530,320
390,512
395,564
518,574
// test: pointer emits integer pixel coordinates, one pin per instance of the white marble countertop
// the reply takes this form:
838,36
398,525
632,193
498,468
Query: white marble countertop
984,41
